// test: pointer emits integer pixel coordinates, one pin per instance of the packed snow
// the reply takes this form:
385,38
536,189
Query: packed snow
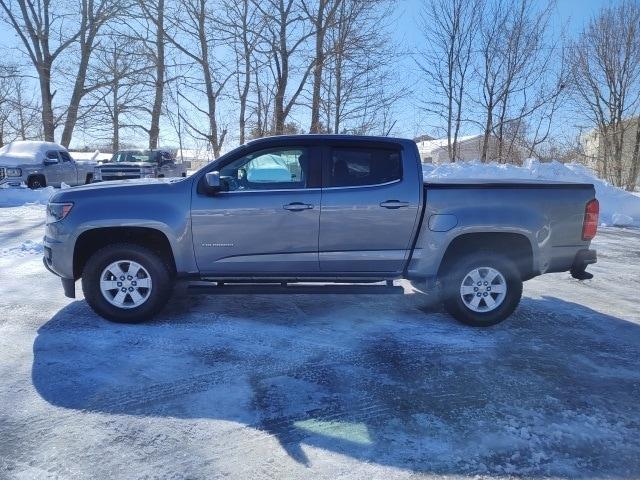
617,206
325,387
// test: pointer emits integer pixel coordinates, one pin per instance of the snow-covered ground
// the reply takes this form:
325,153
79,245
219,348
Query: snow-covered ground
319,386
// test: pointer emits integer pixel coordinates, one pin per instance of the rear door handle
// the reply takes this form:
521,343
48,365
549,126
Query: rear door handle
297,206
394,204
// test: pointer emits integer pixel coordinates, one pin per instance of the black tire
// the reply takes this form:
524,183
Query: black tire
36,181
160,277
456,274
89,178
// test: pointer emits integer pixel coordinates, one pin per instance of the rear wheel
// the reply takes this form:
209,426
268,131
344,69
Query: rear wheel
482,288
126,283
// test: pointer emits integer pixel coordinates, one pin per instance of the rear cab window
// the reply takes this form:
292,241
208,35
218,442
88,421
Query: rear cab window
357,166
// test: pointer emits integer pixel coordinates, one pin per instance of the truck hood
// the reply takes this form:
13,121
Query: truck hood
17,160
116,188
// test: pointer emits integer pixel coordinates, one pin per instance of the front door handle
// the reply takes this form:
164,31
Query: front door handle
394,204
297,206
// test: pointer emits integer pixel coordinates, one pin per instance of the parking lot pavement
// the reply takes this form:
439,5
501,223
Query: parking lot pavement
320,386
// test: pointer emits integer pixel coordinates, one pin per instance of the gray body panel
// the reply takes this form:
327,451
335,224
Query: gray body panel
345,234
550,218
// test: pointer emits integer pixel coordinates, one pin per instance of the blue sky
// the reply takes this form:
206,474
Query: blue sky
570,17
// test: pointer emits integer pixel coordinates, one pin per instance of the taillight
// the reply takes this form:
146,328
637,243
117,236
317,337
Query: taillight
590,224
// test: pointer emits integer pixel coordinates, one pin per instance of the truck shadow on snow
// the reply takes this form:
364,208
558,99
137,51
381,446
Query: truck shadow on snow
551,392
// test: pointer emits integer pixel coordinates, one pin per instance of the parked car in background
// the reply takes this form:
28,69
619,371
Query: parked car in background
131,164
41,164
328,209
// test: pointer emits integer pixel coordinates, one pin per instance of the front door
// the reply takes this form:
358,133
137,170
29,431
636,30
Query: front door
267,222
69,170
53,169
370,206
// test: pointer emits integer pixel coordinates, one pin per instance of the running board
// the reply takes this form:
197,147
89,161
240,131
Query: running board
270,289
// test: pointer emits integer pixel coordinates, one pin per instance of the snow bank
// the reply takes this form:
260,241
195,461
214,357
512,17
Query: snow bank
14,197
617,207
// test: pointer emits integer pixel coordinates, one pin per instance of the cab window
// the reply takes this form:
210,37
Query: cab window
272,169
350,167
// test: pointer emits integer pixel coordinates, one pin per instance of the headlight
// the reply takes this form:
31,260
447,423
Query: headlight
14,172
58,211
97,174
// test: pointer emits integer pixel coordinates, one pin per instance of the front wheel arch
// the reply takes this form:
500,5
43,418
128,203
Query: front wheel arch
36,180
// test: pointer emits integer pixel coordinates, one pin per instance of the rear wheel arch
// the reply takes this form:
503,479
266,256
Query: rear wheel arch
515,246
90,241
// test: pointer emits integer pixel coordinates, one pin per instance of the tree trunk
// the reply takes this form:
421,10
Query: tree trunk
48,124
154,129
76,96
317,69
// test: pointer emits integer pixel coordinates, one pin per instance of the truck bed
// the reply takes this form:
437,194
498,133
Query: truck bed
503,183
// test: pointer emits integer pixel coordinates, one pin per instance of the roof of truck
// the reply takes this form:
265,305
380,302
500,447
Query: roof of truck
26,151
314,137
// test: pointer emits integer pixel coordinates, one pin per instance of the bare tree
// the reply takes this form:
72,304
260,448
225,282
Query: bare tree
285,35
121,67
513,50
449,28
45,31
195,36
359,85
243,24
605,69
94,14
322,15
153,36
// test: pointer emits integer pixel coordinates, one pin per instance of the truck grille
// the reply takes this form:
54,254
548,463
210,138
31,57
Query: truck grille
120,173
2,174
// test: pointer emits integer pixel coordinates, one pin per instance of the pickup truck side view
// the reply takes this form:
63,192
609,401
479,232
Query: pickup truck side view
302,214
131,164
41,164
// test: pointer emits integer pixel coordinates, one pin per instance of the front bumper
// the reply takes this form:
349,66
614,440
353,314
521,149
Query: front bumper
68,284
581,261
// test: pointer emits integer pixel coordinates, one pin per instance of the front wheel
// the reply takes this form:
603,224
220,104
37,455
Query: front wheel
482,288
126,283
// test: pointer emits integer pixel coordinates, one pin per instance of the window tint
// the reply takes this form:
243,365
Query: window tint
268,170
358,166
65,157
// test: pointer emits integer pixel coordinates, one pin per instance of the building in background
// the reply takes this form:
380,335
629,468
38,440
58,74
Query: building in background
469,148
595,154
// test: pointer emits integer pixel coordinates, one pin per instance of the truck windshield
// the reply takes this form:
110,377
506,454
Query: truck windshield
134,156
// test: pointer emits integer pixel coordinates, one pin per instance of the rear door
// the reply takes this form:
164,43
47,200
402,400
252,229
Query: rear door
370,204
267,223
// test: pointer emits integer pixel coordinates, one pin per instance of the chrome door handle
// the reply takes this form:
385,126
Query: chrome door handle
394,204
297,206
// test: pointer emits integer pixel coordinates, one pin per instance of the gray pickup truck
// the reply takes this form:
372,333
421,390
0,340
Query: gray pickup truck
132,164
314,214
41,164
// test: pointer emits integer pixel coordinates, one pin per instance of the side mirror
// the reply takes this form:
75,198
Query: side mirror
214,183
50,161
